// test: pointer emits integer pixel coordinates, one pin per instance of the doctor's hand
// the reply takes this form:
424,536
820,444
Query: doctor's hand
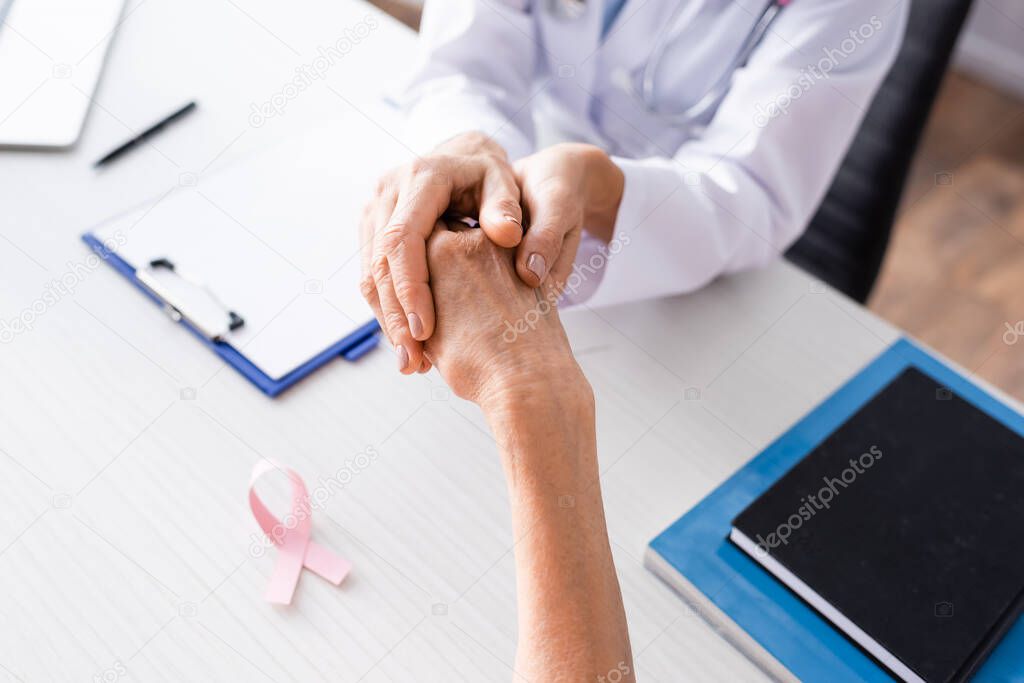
468,175
565,188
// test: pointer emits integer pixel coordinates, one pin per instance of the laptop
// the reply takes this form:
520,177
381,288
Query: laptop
51,56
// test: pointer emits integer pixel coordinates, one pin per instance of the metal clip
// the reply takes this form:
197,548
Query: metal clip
189,299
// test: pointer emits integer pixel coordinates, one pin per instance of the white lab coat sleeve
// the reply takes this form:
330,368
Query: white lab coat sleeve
738,195
474,73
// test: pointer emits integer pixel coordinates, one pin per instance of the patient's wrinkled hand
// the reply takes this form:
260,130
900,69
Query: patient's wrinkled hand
495,337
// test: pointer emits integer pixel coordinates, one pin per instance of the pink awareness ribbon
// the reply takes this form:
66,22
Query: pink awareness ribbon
295,549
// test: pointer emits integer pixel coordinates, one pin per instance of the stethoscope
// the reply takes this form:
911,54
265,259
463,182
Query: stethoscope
642,82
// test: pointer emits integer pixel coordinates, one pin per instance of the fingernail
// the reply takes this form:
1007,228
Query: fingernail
537,265
512,219
403,357
415,325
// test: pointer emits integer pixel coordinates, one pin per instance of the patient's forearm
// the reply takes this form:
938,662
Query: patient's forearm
572,626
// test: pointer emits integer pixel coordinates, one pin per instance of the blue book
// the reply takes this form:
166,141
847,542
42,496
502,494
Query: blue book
754,609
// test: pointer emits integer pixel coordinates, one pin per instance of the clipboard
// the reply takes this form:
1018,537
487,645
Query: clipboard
351,347
260,261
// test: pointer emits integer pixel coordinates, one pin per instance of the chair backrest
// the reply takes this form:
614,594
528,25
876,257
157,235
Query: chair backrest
845,241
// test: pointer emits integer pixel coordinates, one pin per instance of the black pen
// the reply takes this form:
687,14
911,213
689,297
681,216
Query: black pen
145,135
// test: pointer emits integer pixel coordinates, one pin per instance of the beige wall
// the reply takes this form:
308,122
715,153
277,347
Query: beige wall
992,46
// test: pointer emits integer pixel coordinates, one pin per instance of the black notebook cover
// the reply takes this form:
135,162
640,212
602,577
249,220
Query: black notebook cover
909,521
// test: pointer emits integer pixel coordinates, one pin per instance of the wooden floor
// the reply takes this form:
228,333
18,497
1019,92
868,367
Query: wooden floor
954,274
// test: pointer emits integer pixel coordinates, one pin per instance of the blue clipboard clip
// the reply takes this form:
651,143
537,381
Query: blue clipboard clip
212,321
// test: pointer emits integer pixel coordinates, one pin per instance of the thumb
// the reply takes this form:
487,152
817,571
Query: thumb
501,216
552,220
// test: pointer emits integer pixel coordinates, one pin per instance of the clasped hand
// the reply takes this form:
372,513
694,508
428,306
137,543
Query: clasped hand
449,295
538,206
479,297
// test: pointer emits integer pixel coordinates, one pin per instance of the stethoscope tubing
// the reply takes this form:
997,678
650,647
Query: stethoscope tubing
644,86
646,93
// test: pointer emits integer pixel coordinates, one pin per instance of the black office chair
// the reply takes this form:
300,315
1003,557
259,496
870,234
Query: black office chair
846,240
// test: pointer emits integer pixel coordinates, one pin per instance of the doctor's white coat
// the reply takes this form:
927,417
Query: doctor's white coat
729,191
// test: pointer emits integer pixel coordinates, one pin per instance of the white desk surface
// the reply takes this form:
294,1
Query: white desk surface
125,534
